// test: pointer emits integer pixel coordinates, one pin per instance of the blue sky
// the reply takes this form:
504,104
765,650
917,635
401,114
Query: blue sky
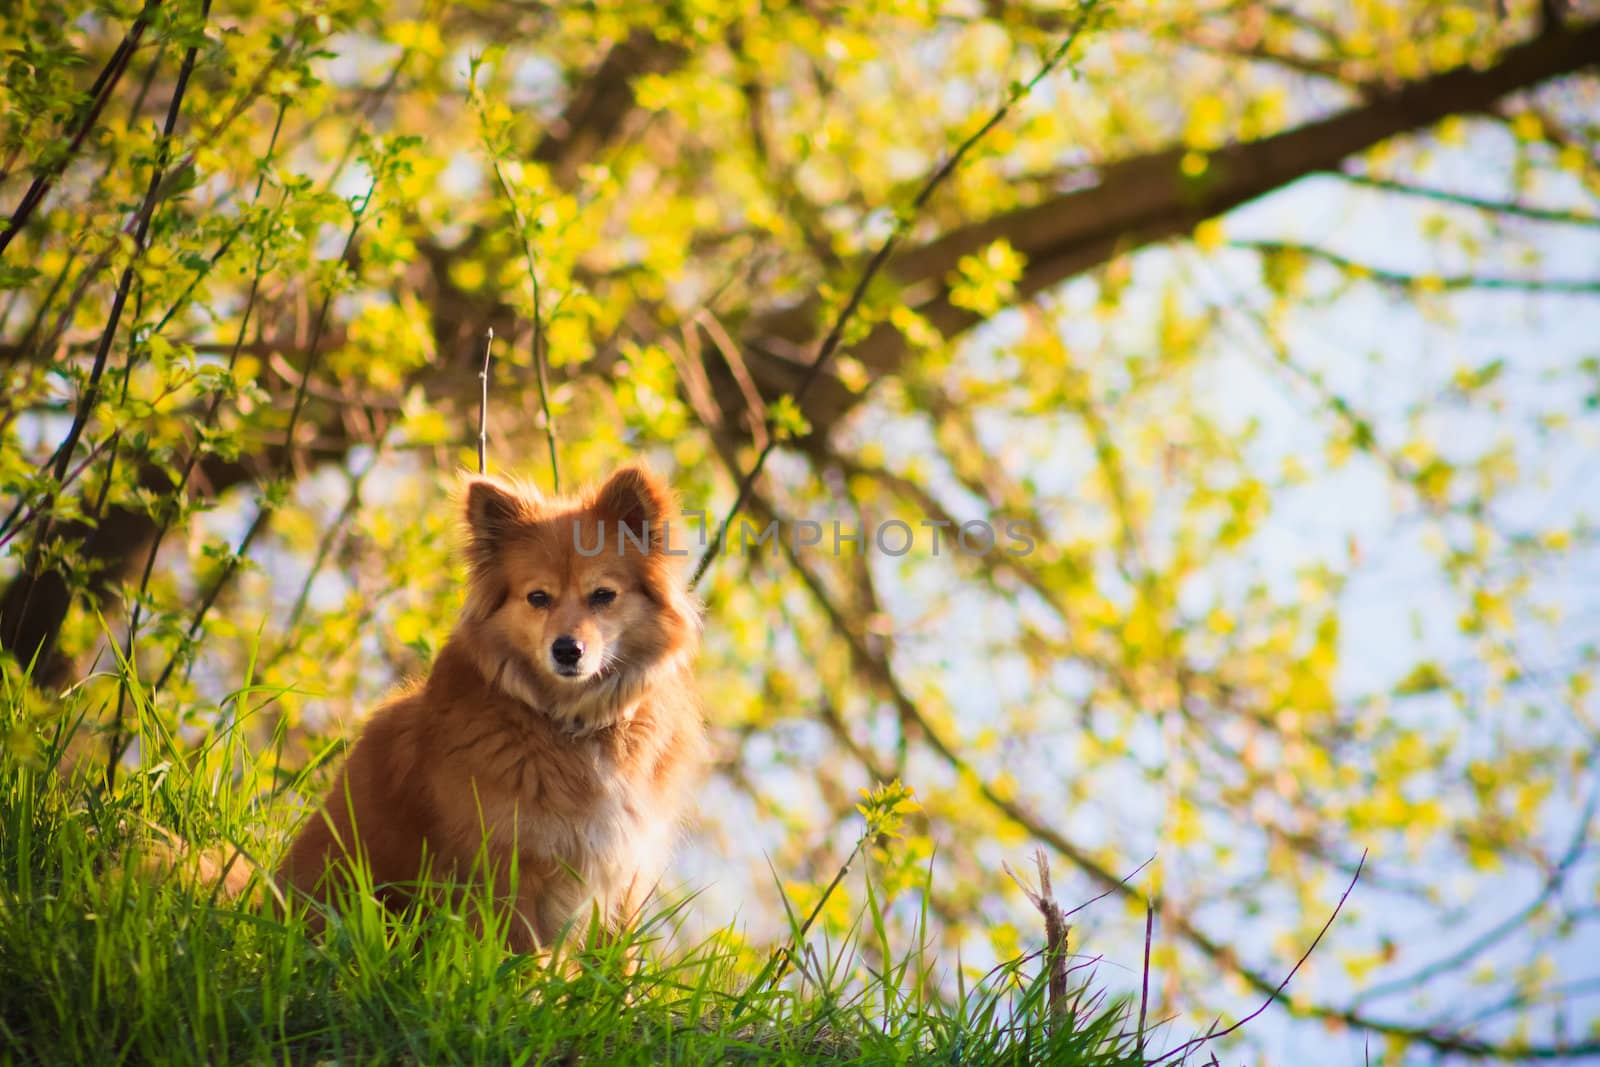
1393,361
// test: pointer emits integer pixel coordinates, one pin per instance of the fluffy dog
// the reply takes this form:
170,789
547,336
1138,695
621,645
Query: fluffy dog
558,734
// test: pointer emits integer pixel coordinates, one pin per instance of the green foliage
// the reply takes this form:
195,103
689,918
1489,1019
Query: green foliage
1306,483
107,958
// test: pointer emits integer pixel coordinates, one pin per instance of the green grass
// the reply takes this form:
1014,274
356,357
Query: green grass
103,962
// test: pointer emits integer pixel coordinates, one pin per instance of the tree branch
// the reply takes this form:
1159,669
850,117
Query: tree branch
830,343
1145,199
99,94
1398,279
91,390
602,105
880,674
1496,207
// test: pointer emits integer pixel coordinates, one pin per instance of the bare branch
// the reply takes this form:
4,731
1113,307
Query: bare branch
600,109
1187,1046
1421,281
538,320
99,94
830,343
483,403
1144,199
1576,850
1497,207
1144,974
268,504
91,391
881,674
1055,932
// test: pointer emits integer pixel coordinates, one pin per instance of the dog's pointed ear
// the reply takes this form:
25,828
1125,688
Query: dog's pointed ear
492,510
640,502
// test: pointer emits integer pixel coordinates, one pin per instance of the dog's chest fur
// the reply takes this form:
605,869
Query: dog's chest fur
605,806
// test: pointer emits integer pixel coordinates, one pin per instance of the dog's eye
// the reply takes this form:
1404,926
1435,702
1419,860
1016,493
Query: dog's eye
539,598
602,597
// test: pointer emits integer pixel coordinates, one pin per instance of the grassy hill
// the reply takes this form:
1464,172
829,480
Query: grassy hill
105,962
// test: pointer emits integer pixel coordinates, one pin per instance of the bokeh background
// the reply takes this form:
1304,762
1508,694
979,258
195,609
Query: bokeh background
1277,326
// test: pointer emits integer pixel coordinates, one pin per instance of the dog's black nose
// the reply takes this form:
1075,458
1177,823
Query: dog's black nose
567,651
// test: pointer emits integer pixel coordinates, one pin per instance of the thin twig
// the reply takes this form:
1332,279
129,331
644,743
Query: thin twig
1575,852
1055,932
539,370
1494,207
99,94
483,404
233,234
358,216
783,956
902,226
741,374
542,375
91,392
341,524
100,261
1440,283
816,910
873,665
8,531
36,320
264,514
118,741
1121,885
1144,985
1212,1035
